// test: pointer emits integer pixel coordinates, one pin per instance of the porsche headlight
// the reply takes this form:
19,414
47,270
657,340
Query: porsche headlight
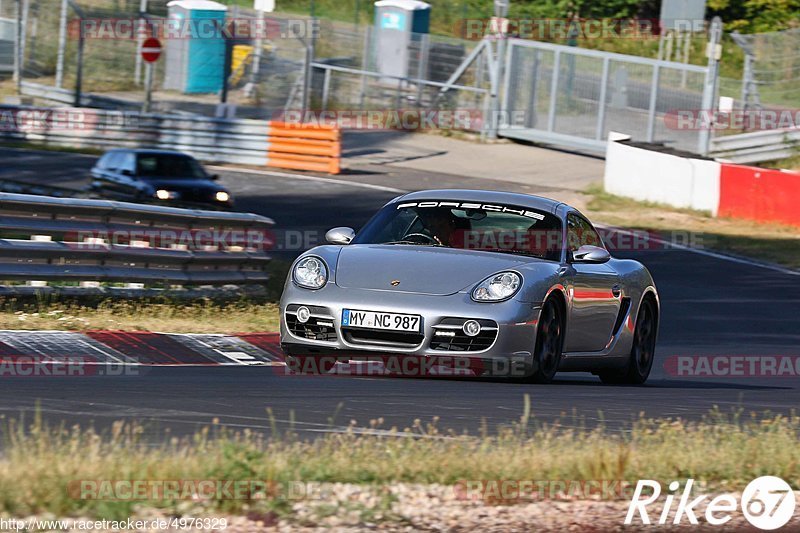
310,272
497,287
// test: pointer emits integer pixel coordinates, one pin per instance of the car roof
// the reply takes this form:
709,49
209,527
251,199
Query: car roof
151,151
530,201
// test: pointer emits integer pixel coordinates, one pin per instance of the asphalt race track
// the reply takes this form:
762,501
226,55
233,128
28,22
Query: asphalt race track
710,306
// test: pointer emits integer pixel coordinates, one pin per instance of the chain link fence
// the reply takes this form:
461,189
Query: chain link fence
270,62
350,78
771,77
556,91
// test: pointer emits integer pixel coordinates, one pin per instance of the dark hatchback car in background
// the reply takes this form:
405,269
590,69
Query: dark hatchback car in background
156,176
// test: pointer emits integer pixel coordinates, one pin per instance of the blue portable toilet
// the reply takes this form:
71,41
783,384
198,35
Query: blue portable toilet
196,53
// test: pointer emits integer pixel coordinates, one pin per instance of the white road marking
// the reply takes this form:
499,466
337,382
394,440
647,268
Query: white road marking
709,253
305,177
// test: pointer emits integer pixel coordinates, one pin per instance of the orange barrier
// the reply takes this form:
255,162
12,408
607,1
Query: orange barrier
312,147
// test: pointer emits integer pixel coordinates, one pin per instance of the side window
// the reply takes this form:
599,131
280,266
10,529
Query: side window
112,160
102,163
128,163
580,232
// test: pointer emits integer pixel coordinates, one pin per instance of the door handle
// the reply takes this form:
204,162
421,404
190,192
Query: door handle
616,291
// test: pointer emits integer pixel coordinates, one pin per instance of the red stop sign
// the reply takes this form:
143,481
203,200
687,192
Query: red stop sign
151,49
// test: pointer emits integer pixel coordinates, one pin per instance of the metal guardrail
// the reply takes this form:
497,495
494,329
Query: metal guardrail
209,139
757,146
86,243
314,147
67,96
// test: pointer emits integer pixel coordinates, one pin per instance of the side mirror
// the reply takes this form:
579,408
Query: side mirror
214,177
590,254
126,172
340,235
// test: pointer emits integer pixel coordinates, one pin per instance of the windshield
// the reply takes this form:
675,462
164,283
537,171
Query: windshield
169,166
466,225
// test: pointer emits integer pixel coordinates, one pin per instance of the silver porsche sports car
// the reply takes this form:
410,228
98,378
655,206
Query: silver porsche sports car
517,284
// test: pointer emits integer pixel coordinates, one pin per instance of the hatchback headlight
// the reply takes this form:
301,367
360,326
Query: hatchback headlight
497,287
222,196
310,272
163,194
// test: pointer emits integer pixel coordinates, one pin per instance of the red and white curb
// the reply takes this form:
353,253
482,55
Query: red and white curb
143,348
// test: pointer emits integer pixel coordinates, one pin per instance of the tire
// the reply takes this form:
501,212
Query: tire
549,343
640,361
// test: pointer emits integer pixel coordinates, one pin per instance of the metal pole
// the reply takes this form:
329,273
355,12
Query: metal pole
687,44
551,115
257,52
18,48
62,43
364,66
326,87
79,70
710,86
137,72
651,112
307,71
22,30
422,67
148,83
601,115
500,11
307,77
226,69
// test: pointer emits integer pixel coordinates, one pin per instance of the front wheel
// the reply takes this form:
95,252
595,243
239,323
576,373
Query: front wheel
549,342
642,352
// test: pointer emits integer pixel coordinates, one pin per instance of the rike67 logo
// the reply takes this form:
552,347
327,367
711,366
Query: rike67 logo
767,503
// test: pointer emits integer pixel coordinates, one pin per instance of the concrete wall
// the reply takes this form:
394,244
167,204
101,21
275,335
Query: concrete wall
656,177
724,189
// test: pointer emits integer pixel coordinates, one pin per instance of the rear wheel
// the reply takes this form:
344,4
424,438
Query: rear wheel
642,352
549,342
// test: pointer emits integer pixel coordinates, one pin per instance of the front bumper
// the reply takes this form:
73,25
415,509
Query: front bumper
514,323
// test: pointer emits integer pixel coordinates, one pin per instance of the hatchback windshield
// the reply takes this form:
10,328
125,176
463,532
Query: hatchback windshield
466,225
169,166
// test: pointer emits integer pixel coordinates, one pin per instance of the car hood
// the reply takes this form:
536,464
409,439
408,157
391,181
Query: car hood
419,269
182,184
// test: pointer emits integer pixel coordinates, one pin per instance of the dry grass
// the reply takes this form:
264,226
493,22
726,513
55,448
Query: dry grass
722,452
773,243
173,317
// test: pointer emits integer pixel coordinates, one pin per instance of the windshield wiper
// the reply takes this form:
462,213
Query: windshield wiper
510,251
415,243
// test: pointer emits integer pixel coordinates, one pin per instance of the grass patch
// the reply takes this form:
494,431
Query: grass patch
774,243
722,452
241,316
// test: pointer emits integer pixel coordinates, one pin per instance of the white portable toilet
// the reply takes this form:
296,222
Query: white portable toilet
399,26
